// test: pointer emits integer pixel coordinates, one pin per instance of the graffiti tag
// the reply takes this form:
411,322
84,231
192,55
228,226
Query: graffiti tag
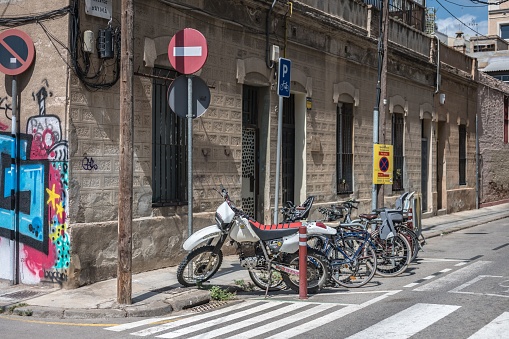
88,164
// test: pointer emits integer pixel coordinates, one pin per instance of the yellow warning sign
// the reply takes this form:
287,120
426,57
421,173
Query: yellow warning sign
382,165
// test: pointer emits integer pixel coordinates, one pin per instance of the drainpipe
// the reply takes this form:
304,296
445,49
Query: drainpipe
475,76
438,65
437,89
269,63
477,193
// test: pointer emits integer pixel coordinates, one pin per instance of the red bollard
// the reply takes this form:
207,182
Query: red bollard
303,262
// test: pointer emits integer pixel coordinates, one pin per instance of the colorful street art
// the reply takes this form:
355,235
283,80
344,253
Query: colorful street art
39,224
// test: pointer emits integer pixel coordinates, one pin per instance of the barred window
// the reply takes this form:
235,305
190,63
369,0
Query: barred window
463,154
397,142
169,147
344,148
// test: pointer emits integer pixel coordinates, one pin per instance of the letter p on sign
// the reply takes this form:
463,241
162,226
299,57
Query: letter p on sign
284,77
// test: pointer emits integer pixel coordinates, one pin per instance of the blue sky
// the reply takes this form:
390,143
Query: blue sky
464,14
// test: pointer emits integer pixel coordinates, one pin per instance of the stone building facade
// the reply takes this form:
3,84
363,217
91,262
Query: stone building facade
493,135
429,113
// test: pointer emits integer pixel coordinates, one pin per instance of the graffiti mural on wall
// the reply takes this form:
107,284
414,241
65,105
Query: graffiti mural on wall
43,180
6,108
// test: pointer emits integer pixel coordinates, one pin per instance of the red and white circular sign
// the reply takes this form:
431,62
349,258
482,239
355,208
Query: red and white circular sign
16,51
188,51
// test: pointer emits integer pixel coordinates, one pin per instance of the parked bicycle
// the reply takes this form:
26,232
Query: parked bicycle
352,257
403,224
392,249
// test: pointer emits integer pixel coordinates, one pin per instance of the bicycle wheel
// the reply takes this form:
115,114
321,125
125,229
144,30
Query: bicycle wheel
412,239
354,262
260,277
393,256
198,266
317,271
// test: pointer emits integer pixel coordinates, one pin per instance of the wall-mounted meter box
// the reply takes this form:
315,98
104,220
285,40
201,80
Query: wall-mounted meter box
105,43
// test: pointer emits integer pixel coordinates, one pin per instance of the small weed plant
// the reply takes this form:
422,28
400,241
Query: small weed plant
220,294
13,308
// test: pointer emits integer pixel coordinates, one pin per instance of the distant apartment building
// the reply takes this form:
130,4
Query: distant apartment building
498,20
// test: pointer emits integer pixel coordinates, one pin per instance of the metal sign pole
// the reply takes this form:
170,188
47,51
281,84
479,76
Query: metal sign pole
278,155
15,135
189,155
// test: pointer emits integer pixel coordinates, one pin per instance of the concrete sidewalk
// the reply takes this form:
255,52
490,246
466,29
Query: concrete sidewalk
157,293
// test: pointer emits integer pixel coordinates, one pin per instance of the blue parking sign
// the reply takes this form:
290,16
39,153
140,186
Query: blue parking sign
283,77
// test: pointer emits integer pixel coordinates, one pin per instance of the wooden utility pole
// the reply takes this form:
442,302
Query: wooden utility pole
125,200
383,91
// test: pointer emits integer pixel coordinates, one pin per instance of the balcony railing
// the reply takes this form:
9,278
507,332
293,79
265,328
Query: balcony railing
409,12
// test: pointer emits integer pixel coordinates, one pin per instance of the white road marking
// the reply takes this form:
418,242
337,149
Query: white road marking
461,263
473,281
192,319
264,318
439,260
411,285
128,326
446,270
317,322
454,277
407,322
429,277
498,328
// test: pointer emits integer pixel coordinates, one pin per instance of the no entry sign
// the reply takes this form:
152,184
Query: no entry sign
188,51
16,52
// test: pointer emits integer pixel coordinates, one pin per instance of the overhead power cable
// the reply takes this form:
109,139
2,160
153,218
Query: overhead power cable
466,25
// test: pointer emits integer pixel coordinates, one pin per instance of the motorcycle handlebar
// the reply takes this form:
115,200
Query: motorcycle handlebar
224,193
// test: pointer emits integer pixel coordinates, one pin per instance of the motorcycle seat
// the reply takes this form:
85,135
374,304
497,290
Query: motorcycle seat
270,232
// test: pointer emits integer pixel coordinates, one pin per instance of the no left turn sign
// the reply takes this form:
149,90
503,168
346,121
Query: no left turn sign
16,52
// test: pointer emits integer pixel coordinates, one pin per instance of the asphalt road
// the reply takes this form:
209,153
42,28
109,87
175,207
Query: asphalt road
458,288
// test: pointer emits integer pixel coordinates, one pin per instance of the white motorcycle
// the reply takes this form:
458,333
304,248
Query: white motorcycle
262,249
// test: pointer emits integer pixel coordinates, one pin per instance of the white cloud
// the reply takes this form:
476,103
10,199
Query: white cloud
451,25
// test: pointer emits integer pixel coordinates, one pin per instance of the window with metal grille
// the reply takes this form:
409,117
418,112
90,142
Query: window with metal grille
506,120
463,154
169,147
344,148
397,143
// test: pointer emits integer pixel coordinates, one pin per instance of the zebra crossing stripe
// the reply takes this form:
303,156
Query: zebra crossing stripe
317,322
128,326
281,322
498,328
258,319
245,309
212,323
407,322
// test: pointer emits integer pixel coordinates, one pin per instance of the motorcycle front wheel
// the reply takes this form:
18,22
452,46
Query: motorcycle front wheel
317,271
260,278
199,266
